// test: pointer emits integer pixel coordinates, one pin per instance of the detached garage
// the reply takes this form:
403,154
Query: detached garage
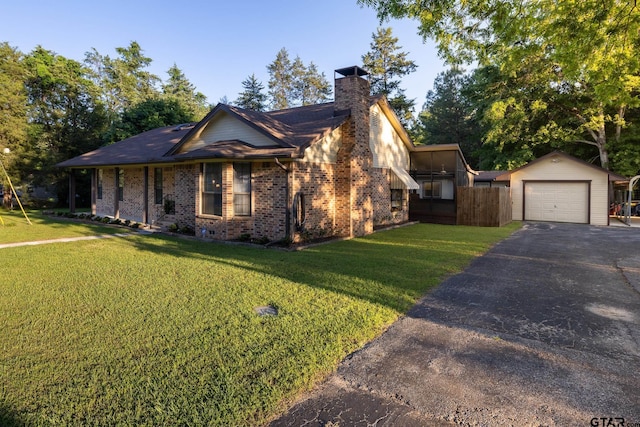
560,188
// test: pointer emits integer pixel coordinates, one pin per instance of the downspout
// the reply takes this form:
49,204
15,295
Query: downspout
287,227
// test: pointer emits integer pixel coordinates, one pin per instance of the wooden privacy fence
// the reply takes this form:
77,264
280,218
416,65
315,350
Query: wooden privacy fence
484,206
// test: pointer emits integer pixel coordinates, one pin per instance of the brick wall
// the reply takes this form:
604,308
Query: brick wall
268,206
269,202
354,208
104,206
157,211
186,181
316,182
381,199
343,199
133,204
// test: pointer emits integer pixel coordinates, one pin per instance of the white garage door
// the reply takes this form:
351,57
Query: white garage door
557,201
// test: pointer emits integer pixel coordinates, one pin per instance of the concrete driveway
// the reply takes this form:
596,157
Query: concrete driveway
542,330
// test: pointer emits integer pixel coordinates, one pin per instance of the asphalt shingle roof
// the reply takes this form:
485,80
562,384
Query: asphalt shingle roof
147,147
292,130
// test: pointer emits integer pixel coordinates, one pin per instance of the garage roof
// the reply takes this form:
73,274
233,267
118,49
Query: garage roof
613,177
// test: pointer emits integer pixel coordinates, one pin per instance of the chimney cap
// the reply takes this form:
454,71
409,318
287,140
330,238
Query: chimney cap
352,71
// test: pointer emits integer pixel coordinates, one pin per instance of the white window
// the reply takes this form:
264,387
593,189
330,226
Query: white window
211,189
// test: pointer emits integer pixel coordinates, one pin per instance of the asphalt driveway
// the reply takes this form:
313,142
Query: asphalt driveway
542,330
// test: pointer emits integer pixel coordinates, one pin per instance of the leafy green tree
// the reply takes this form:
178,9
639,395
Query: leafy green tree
448,115
252,97
152,114
124,80
625,158
387,64
13,107
586,51
65,119
179,88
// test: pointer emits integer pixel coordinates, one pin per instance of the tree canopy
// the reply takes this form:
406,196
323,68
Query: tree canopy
574,62
13,105
53,108
448,115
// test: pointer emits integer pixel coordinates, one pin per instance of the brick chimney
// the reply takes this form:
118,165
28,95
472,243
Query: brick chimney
354,210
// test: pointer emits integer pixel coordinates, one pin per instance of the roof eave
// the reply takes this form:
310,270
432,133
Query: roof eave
216,110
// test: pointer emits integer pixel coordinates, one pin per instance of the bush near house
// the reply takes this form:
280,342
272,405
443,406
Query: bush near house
157,330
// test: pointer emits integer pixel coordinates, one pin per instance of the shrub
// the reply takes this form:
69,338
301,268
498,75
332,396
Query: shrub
169,207
187,230
263,240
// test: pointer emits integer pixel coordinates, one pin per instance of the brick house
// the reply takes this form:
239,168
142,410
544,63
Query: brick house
333,169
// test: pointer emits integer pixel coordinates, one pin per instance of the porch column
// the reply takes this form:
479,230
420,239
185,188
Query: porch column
94,190
72,191
145,196
116,196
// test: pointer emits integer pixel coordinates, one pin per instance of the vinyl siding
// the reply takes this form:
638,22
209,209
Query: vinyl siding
325,150
226,128
385,143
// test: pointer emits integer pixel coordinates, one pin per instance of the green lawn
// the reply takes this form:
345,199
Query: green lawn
14,227
152,330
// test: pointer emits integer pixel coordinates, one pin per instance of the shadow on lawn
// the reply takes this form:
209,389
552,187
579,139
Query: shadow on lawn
8,418
392,268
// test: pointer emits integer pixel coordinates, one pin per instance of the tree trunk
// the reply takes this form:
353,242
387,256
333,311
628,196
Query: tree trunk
601,142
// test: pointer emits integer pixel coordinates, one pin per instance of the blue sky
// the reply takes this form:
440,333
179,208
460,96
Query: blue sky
217,44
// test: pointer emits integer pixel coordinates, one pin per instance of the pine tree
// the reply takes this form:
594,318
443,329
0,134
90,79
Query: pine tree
311,86
448,115
280,81
387,64
294,84
179,88
252,98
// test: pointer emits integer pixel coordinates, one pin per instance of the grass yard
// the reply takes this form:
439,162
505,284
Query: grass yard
14,227
153,330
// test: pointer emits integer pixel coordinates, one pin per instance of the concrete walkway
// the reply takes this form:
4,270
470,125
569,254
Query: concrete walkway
62,240
634,222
